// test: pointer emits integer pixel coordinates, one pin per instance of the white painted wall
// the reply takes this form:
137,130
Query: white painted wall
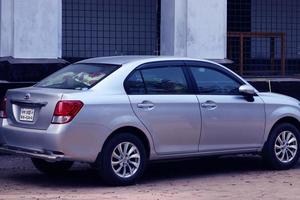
6,28
207,28
167,28
194,28
33,28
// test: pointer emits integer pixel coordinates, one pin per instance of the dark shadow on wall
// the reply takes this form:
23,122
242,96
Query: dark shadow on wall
15,73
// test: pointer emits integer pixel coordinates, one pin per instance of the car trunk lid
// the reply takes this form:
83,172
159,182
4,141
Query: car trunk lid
32,107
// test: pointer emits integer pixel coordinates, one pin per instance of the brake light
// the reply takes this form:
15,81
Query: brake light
3,111
65,111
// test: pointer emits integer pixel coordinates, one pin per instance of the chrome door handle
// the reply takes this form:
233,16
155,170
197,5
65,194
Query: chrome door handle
209,105
145,104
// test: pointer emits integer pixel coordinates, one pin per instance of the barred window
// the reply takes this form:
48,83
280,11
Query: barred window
271,36
94,28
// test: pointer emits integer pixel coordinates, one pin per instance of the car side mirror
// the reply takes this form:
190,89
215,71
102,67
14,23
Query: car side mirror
247,91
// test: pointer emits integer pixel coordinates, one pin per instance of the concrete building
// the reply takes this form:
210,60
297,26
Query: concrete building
34,29
38,36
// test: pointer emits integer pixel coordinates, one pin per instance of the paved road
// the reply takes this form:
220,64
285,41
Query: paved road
226,178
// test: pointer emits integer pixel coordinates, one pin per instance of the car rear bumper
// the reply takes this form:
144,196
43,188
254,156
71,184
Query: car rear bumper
74,141
46,155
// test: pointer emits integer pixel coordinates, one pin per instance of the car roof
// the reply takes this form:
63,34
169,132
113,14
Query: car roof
120,60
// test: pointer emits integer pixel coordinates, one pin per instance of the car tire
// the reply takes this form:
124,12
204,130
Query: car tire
122,160
51,168
281,151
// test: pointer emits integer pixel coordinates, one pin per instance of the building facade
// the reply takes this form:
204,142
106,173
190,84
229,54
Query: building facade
259,37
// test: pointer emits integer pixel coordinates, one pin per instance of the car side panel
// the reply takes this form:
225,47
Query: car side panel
83,138
234,124
275,113
112,111
174,122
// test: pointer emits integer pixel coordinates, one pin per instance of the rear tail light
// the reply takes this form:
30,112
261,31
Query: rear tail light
65,111
3,111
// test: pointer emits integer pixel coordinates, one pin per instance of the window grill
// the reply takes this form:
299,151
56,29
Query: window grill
270,30
94,28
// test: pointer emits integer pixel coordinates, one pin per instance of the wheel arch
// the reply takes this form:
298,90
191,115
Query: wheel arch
135,131
287,119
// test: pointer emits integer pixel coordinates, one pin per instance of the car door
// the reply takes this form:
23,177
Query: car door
161,98
229,120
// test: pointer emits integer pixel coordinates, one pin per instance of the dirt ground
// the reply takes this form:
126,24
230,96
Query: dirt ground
226,178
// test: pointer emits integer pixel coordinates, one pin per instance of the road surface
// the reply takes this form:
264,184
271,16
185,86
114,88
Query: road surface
225,178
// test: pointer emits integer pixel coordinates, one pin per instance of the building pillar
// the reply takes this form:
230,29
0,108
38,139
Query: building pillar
194,28
30,29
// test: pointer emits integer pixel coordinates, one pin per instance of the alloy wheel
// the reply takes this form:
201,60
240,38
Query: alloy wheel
286,146
125,160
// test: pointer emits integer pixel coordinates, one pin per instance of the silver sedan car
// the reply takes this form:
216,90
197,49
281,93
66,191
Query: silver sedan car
118,113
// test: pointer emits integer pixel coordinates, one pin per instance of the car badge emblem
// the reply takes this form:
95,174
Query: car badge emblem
27,96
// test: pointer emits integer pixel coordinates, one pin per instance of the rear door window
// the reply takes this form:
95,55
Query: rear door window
165,80
78,76
135,84
157,80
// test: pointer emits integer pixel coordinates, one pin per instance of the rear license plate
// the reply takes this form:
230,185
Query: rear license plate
27,114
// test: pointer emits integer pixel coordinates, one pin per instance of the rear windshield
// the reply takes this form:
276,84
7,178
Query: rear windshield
78,76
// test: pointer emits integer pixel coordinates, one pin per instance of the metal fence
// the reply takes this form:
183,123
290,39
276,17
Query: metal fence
110,27
264,37
275,61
